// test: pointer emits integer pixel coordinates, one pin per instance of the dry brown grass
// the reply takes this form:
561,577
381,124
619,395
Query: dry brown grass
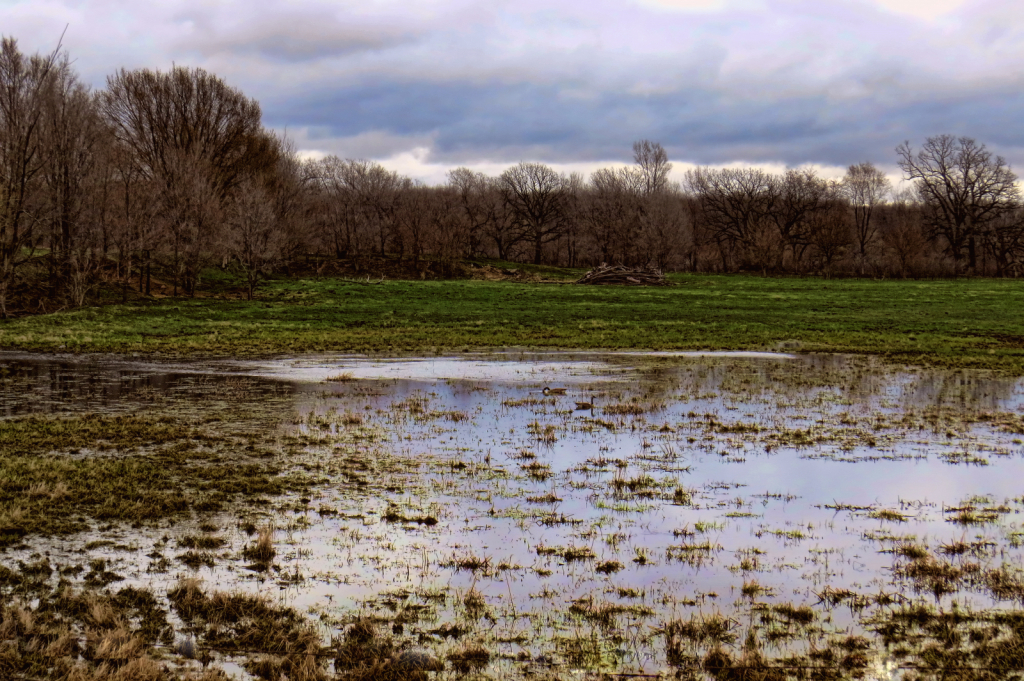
469,658
262,550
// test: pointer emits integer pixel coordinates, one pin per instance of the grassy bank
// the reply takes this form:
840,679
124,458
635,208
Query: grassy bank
965,323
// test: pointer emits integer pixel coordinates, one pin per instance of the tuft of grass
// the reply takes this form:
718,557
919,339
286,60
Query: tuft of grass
201,541
608,567
261,551
469,658
474,603
888,515
574,553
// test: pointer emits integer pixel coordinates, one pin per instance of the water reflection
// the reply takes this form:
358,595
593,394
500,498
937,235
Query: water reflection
693,477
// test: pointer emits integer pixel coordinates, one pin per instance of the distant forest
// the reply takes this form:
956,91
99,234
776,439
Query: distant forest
174,171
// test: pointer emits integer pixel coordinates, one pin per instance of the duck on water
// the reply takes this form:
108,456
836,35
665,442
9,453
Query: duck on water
586,405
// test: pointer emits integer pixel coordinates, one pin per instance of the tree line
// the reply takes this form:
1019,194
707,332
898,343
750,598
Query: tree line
174,171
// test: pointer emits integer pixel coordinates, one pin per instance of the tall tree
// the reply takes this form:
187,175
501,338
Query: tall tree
196,139
652,166
611,210
188,113
903,233
26,84
962,188
865,187
488,219
539,199
255,240
738,205
76,186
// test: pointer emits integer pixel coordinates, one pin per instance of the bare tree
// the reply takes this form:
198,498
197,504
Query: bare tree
611,210
195,138
480,212
379,191
662,222
539,200
76,187
414,220
163,117
289,193
1004,243
700,236
652,166
361,202
132,225
829,228
962,188
902,232
737,205
800,196
449,233
190,211
254,239
25,86
336,206
865,187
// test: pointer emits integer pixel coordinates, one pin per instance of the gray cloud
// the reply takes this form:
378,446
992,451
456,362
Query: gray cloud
303,34
772,81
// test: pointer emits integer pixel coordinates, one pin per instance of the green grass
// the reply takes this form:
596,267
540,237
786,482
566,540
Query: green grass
963,323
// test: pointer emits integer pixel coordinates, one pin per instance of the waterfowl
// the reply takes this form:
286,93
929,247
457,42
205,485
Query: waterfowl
554,391
587,405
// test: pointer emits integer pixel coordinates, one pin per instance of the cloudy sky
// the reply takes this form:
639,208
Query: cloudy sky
426,85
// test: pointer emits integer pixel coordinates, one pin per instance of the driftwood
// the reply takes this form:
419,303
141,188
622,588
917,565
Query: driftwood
624,276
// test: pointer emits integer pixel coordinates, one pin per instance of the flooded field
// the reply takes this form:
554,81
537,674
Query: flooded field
745,516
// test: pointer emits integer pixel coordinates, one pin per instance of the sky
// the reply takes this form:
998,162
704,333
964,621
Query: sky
427,85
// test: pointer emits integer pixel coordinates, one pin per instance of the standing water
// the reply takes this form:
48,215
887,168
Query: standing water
648,513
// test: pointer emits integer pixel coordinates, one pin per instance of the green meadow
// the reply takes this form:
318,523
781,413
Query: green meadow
954,323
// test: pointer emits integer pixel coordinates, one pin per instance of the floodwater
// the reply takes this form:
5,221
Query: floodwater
694,485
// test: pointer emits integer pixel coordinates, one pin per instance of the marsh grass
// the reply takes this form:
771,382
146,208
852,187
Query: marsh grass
888,515
608,567
261,551
470,658
247,622
197,559
604,613
85,635
201,541
135,469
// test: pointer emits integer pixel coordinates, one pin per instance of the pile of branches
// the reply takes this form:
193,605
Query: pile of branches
624,276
